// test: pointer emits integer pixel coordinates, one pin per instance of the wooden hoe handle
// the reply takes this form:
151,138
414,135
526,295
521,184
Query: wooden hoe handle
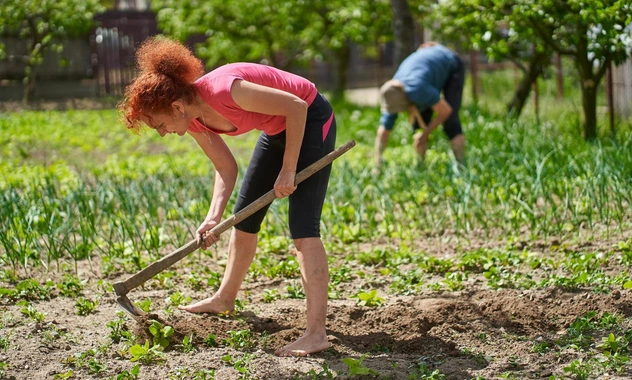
153,269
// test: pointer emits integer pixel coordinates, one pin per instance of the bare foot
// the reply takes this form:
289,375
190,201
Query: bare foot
210,305
305,345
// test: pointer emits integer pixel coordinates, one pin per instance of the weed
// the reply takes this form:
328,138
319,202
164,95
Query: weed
324,373
187,344
176,299
210,340
356,367
270,295
146,354
294,290
239,340
71,286
145,305
85,306
161,334
580,369
29,311
370,299
64,375
241,365
119,331
129,375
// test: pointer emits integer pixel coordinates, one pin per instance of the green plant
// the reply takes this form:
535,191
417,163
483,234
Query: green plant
146,354
132,374
71,286
370,299
86,306
270,295
119,331
145,305
239,339
356,367
580,369
187,344
210,340
29,311
161,334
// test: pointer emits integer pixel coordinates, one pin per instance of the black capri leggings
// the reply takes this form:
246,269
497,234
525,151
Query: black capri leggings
306,203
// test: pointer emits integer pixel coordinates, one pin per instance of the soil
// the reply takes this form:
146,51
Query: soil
474,332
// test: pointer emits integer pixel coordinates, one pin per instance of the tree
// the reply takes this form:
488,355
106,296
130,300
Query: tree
592,32
43,25
493,28
281,32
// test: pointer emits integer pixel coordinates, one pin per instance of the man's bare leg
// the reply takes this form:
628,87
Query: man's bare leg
241,251
312,259
380,144
458,147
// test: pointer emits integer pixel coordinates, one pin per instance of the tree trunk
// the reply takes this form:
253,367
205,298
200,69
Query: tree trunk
589,102
404,30
535,69
342,65
29,83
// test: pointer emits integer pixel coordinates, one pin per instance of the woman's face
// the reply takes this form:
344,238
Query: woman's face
165,123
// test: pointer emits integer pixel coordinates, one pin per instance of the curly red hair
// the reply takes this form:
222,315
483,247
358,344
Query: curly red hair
167,72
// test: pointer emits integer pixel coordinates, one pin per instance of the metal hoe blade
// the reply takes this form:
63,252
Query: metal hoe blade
125,302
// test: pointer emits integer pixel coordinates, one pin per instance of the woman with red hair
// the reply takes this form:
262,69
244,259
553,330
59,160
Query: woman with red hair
171,95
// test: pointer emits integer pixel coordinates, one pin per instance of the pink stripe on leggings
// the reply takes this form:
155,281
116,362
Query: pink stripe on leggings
327,126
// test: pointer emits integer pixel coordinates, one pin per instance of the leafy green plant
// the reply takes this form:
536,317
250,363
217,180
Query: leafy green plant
294,290
580,369
356,367
210,340
147,354
239,339
119,331
86,306
270,295
242,365
370,299
29,310
71,286
161,334
132,374
145,305
187,344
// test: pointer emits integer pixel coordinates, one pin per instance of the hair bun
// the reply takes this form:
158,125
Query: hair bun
161,55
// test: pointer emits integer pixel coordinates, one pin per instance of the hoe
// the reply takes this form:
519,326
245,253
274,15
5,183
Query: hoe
121,288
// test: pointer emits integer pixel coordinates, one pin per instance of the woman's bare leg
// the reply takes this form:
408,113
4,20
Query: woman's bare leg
312,259
241,251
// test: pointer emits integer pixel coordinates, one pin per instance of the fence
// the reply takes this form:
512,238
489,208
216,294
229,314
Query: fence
114,44
622,89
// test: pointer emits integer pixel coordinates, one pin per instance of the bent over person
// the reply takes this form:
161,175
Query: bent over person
297,126
416,87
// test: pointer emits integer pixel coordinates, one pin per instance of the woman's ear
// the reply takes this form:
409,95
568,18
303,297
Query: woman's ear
178,108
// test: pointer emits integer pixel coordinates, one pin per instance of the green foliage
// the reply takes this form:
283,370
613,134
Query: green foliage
43,25
161,334
29,311
240,339
86,306
119,331
146,354
357,368
370,299
280,32
129,375
71,286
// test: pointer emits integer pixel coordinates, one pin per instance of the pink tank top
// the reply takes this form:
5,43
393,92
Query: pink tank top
215,86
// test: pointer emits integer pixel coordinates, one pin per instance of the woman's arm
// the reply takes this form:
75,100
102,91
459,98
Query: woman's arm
225,178
261,99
